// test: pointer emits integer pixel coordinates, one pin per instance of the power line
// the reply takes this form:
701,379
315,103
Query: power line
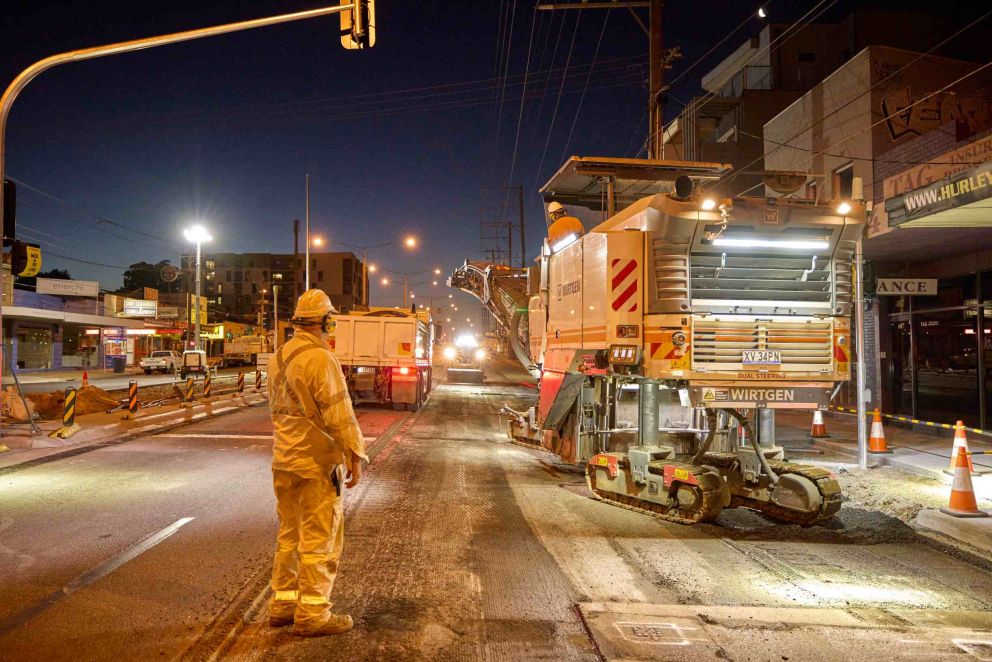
885,119
695,104
554,115
858,96
520,114
578,107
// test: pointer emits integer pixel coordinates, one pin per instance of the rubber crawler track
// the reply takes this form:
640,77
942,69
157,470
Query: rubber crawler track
709,510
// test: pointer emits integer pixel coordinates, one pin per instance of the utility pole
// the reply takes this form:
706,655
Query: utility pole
523,244
307,236
275,317
296,257
657,58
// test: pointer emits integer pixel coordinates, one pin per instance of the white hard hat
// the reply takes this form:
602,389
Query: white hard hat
313,304
555,206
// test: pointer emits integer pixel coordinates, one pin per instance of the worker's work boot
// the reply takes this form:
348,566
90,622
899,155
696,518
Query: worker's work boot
335,624
281,613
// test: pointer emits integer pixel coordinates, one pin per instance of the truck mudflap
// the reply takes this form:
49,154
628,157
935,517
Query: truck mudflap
771,396
564,401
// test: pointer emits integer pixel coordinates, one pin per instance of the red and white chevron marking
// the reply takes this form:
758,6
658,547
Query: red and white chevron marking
623,278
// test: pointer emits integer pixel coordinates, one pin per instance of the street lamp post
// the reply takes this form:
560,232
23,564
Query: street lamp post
275,317
197,234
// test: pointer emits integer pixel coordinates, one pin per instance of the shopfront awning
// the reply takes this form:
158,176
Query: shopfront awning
962,200
64,317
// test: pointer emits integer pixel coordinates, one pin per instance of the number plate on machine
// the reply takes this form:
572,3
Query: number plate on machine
761,357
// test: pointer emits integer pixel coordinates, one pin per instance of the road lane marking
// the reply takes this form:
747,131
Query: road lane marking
90,576
176,435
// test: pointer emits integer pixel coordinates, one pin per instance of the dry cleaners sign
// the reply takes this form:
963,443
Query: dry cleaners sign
918,287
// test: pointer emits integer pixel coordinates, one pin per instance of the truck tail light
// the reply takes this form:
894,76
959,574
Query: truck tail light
404,371
628,331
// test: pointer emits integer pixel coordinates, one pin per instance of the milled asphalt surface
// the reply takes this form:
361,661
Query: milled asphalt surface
459,545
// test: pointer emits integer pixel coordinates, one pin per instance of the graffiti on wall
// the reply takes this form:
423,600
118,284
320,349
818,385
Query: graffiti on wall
906,115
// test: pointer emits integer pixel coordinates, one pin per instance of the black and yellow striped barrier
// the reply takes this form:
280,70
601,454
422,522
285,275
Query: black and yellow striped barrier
915,421
132,400
69,426
241,381
190,396
258,380
206,384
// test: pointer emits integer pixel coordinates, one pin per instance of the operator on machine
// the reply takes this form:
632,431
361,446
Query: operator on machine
316,442
561,225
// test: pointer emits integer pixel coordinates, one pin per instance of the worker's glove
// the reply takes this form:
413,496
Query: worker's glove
354,471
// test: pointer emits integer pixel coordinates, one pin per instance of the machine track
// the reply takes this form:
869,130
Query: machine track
709,509
825,483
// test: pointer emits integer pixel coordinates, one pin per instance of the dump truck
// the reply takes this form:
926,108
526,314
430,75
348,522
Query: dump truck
667,336
244,350
385,354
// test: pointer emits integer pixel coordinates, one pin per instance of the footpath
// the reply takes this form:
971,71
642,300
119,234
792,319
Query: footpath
911,482
19,448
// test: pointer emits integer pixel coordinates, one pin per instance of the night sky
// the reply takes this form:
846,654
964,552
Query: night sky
125,151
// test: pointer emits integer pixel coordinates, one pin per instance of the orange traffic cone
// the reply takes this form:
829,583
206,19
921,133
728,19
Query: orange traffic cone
86,379
960,444
819,429
876,442
963,502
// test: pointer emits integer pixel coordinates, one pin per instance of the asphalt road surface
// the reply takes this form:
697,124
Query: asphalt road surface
459,545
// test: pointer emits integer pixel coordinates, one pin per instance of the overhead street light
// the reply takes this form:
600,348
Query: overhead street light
197,234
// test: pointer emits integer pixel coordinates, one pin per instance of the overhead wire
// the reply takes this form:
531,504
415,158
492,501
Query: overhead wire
846,104
520,114
578,106
885,119
554,56
787,34
554,115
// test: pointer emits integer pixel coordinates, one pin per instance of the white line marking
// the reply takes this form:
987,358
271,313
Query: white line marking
196,435
90,576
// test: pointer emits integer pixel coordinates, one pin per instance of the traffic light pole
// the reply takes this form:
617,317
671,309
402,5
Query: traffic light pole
26,76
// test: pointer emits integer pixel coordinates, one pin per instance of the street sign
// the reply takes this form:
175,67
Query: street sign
68,288
892,287
168,312
140,308
169,273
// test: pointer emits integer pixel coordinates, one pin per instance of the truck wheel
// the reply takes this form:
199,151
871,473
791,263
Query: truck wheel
148,371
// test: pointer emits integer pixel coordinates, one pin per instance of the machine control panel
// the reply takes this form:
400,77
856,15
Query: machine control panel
625,354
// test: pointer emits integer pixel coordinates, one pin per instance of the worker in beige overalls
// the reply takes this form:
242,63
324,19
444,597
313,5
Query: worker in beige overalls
316,442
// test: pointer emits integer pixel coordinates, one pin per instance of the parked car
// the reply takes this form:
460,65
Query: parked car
194,362
162,361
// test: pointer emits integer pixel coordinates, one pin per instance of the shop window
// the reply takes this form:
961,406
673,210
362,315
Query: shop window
946,361
951,293
34,348
843,181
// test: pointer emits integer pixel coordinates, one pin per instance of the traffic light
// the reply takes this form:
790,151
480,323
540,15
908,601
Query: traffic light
358,24
9,211
25,259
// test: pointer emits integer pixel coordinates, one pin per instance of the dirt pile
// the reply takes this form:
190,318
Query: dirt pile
89,400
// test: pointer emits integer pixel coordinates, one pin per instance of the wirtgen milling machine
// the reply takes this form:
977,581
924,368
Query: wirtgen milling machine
668,335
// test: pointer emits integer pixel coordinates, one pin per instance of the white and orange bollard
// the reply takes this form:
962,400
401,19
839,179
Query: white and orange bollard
963,502
819,428
876,441
960,446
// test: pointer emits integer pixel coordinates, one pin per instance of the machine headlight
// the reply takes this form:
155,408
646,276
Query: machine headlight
480,354
450,353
